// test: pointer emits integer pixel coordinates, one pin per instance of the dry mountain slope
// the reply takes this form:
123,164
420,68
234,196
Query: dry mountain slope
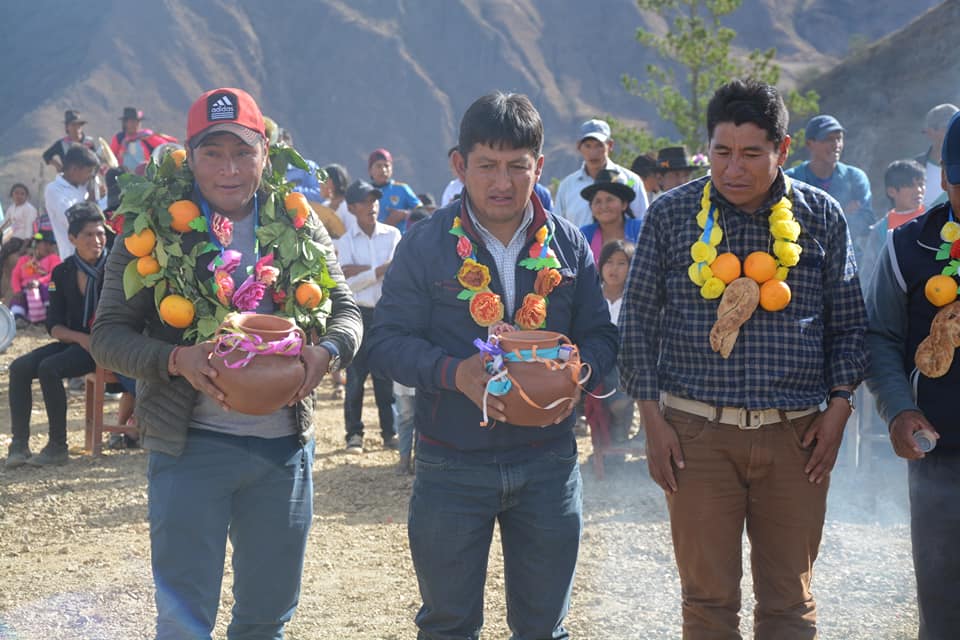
346,76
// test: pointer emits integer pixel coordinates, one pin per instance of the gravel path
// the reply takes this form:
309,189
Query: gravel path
74,550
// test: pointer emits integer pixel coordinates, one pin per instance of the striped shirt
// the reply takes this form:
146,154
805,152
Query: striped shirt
505,257
785,360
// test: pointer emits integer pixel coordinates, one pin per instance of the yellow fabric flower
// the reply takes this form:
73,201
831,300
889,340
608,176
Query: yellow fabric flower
705,198
785,230
787,252
456,222
950,232
699,273
702,252
473,275
716,235
702,218
542,234
712,288
781,273
778,214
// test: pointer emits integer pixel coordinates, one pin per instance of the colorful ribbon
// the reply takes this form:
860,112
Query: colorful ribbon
254,345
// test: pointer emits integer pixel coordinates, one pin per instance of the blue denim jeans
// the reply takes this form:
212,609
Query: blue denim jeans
357,374
935,526
404,406
454,506
259,492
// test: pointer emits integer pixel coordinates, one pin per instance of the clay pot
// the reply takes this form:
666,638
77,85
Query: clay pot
267,382
536,385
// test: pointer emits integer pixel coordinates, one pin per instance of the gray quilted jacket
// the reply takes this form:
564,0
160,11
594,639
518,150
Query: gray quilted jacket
129,338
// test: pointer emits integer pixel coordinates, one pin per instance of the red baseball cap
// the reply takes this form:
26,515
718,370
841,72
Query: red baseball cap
225,109
379,154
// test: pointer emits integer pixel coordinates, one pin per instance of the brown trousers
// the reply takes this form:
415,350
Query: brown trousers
755,477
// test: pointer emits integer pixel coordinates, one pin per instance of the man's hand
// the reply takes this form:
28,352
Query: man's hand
902,428
193,363
663,446
471,380
827,430
395,216
350,270
316,360
382,270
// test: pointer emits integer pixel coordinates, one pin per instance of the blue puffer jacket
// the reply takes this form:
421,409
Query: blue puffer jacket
422,331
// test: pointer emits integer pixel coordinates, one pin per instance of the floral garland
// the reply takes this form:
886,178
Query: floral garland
941,289
786,252
486,307
159,215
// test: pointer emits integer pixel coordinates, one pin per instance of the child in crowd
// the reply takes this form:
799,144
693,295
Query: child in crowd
905,183
17,230
616,410
30,279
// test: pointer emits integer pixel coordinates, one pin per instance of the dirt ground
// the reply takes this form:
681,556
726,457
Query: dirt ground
74,550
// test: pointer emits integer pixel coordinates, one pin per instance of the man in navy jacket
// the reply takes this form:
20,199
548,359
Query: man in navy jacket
470,476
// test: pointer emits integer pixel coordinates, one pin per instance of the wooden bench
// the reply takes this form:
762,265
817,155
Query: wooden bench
94,386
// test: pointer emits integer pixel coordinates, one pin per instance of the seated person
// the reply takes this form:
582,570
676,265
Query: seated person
74,291
31,278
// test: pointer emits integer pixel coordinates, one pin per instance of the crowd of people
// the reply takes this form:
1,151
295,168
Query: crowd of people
719,295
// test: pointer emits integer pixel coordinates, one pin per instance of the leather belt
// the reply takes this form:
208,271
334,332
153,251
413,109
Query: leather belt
746,419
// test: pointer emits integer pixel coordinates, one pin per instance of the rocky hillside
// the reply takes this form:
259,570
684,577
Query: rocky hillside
348,76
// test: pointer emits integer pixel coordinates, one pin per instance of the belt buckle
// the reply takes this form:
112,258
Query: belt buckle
748,420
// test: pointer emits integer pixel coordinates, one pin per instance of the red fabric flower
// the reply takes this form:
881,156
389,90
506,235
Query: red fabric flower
532,314
547,281
464,247
486,308
955,250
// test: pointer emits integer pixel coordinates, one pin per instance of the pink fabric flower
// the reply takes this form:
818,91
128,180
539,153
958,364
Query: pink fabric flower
279,297
225,287
464,248
299,221
264,270
223,229
228,261
249,294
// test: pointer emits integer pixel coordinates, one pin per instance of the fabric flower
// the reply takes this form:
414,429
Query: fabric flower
702,216
547,281
950,232
712,289
542,234
300,219
532,314
279,297
781,274
716,235
224,283
222,229
264,270
779,214
473,275
456,222
227,261
249,294
788,253
955,250
535,249
464,247
702,252
486,309
785,230
699,273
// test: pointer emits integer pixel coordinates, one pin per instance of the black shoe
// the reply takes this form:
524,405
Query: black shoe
17,457
116,441
50,457
391,442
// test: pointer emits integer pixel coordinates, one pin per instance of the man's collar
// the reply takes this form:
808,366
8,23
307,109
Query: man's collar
473,224
609,166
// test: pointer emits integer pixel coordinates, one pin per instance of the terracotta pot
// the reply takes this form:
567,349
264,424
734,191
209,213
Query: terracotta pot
535,386
267,382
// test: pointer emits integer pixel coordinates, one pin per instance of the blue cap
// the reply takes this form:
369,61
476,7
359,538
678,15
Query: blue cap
820,126
597,129
950,152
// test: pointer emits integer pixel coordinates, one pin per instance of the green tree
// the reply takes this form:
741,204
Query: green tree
699,45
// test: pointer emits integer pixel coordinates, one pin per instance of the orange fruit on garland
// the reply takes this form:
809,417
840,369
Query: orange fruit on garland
760,266
178,155
296,204
309,295
774,295
140,244
726,267
177,311
940,290
147,265
183,211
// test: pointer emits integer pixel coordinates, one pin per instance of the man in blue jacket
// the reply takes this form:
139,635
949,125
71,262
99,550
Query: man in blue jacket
468,476
901,317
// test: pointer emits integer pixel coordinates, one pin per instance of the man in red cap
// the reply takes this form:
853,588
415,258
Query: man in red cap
398,199
214,472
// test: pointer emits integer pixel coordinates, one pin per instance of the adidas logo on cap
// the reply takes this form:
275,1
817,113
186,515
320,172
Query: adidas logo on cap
222,106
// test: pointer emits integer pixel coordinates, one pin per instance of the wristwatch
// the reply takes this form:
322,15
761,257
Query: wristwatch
842,393
334,355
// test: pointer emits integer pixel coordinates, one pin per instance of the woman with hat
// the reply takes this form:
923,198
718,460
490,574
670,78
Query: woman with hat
610,200
132,146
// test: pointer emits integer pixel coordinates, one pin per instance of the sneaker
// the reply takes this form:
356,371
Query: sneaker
17,457
116,442
355,444
391,442
50,456
76,386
